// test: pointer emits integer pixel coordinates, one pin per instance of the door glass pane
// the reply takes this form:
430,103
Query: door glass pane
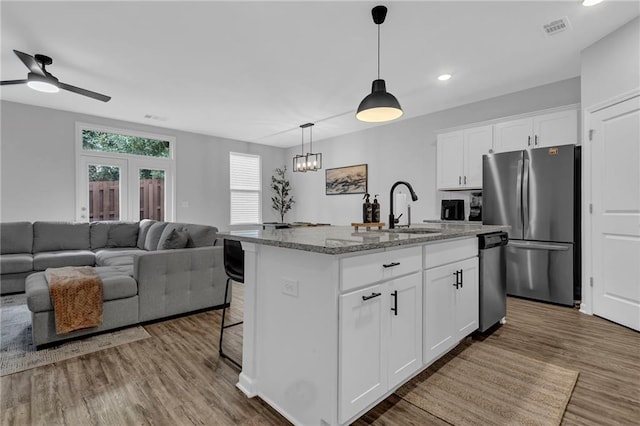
104,192
152,195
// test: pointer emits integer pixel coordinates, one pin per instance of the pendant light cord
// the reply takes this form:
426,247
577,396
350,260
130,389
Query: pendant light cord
311,139
302,144
378,51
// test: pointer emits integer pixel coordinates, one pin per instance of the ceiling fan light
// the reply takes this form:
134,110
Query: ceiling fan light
42,84
379,106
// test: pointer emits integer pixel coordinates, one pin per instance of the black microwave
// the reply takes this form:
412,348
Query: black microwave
452,210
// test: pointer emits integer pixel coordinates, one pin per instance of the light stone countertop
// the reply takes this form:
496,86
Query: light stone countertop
344,239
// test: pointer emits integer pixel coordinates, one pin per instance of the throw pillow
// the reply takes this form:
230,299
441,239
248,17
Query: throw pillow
175,240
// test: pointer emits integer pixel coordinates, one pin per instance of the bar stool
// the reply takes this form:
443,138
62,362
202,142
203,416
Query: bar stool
234,268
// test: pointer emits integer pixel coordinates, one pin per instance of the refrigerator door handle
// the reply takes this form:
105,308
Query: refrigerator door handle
525,196
519,191
538,246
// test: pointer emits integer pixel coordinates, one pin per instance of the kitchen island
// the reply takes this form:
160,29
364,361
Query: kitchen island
335,319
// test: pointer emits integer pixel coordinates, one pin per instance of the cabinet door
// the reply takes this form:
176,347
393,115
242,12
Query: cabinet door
477,142
513,135
439,315
450,160
467,298
558,128
405,331
364,316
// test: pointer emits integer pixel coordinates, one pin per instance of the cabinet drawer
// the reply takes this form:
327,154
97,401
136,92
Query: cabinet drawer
366,269
441,253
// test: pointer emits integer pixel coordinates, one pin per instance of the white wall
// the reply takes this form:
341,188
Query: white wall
611,66
38,171
405,150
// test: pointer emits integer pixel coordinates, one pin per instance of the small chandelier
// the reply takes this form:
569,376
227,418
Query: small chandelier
311,161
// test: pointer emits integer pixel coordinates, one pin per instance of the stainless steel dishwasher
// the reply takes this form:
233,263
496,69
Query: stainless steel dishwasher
493,278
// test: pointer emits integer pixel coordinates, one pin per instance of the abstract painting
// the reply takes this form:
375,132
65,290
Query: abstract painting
346,180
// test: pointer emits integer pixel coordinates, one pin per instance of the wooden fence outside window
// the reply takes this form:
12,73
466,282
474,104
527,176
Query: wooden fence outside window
104,200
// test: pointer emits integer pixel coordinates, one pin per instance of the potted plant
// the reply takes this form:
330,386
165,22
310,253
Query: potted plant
281,201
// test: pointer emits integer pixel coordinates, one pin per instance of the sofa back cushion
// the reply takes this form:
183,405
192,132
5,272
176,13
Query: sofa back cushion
113,234
143,229
153,236
174,240
123,234
16,237
200,235
99,234
54,236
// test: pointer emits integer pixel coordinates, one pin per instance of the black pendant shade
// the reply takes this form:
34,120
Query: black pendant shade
380,105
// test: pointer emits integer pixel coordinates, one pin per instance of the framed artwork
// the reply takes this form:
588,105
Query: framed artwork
346,180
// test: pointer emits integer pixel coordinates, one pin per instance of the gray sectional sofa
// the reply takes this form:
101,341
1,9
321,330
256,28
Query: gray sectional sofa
149,269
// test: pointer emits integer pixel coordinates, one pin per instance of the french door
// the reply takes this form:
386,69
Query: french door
128,189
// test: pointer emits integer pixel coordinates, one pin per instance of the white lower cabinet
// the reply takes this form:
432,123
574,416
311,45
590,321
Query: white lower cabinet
451,308
380,341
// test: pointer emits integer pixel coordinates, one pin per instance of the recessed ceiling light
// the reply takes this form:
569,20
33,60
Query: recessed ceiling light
590,2
444,77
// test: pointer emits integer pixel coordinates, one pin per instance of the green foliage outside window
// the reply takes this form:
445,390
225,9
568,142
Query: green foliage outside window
124,144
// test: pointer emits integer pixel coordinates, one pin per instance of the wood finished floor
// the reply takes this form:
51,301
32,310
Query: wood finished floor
176,378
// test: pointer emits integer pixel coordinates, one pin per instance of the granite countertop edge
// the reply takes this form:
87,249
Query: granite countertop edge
413,239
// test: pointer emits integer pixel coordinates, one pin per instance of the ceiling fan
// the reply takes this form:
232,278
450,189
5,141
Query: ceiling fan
41,79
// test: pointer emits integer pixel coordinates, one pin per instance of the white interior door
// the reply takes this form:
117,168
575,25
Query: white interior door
615,240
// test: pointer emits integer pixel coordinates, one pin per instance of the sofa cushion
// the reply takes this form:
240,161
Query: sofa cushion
123,234
14,263
116,256
153,236
16,237
99,234
55,236
117,283
143,229
57,259
175,240
200,235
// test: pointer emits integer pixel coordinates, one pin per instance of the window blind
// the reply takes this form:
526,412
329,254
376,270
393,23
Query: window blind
245,188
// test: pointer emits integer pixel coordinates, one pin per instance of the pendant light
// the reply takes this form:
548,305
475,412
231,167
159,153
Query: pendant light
311,161
380,105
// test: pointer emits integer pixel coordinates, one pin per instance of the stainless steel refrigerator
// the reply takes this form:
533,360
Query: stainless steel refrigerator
537,193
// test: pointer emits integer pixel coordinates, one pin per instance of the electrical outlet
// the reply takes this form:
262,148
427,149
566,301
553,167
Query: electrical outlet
290,287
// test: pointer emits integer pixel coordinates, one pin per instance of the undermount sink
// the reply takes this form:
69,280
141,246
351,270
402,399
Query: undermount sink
412,230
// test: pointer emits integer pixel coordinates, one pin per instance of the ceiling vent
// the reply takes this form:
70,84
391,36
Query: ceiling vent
155,117
556,26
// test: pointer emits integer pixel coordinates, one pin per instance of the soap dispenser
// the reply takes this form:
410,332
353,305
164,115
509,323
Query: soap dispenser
367,209
375,214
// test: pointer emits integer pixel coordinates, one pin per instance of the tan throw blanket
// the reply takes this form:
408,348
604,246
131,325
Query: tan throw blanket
76,293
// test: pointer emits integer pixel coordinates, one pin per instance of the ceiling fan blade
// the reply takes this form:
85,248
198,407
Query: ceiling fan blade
30,62
84,92
8,82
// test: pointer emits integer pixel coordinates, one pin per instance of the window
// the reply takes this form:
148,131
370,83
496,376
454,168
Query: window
124,144
245,185
123,175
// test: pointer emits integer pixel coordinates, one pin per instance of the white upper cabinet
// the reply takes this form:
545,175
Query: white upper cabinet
459,157
450,152
556,128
